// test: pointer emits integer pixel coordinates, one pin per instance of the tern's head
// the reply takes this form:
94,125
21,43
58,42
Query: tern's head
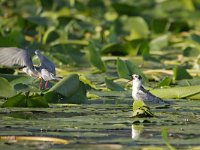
136,77
37,52
137,80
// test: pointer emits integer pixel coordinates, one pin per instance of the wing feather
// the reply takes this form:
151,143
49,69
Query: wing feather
12,56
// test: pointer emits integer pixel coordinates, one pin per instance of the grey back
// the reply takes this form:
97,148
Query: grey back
45,63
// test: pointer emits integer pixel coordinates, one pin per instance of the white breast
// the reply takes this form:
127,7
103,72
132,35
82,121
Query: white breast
35,73
136,87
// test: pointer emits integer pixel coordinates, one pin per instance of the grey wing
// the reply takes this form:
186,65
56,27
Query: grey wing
142,94
12,56
147,96
48,64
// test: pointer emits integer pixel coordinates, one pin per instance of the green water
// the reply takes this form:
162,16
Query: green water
103,125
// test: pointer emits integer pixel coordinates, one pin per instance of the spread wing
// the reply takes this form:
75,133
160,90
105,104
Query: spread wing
47,64
15,57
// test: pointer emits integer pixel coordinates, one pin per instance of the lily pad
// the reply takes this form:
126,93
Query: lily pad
113,86
191,52
68,90
6,90
67,86
95,57
26,100
181,73
126,68
190,92
165,82
140,109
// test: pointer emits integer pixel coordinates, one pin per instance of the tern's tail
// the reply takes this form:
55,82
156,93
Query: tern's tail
58,78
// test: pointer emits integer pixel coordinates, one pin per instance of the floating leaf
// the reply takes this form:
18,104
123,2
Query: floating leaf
21,87
137,27
195,38
79,97
68,90
11,77
6,90
180,73
35,138
50,35
116,49
138,104
122,69
67,86
159,42
143,48
23,79
38,20
139,47
133,69
133,47
87,82
159,25
126,68
53,97
37,101
191,52
95,57
7,41
190,92
26,100
179,26
165,82
122,8
18,100
7,70
113,86
22,83
189,82
46,5
69,54
140,109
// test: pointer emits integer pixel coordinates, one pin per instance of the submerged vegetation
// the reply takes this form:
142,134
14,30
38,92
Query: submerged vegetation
96,45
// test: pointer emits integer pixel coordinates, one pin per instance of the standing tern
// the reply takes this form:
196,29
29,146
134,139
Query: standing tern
139,93
12,56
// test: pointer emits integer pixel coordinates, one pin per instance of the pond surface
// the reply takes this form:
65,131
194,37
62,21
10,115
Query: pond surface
103,124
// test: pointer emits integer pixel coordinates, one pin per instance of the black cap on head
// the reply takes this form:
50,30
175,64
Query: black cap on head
137,76
140,77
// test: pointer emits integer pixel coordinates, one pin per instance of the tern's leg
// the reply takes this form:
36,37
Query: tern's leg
46,85
41,84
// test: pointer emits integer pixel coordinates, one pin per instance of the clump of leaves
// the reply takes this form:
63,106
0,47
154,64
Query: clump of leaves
126,68
26,100
95,57
181,73
6,88
140,109
113,86
165,82
68,90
